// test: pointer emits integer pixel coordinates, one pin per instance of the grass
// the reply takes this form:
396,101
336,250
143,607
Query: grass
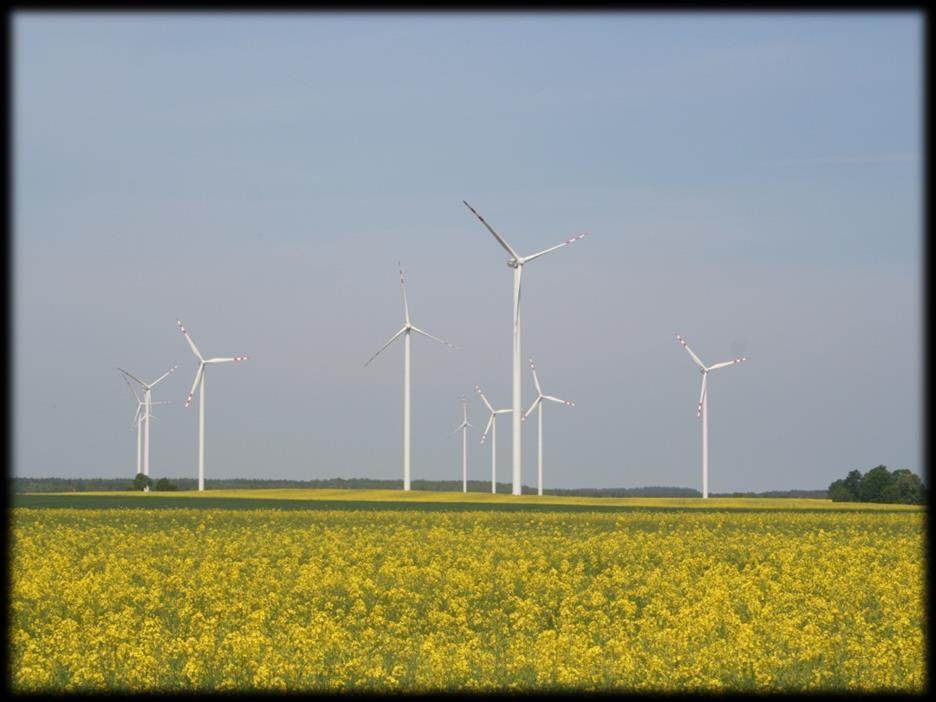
427,500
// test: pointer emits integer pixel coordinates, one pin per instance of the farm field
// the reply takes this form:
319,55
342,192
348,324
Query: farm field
415,499
733,596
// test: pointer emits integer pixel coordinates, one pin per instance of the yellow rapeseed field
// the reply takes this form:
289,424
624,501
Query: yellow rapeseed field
358,599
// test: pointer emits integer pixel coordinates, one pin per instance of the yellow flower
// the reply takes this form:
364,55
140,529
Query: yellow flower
468,600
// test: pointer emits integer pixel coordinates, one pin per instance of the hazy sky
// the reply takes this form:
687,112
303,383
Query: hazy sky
752,182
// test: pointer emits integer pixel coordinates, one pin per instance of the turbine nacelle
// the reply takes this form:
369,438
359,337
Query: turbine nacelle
704,370
202,362
408,326
702,406
465,423
540,395
148,386
493,413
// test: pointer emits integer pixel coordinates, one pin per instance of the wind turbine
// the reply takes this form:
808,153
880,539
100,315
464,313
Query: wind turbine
142,416
148,402
538,402
200,383
516,261
703,406
492,425
406,330
464,427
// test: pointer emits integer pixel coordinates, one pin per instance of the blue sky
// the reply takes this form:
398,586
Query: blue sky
749,181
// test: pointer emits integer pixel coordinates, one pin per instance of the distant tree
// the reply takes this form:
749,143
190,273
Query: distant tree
879,485
839,492
874,485
908,487
142,482
853,483
163,485
890,493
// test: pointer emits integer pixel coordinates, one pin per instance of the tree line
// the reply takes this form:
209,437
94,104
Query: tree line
21,485
141,482
879,485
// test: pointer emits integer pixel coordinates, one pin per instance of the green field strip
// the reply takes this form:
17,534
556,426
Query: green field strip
390,500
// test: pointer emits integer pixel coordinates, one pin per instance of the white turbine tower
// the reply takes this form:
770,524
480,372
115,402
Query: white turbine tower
148,402
200,383
406,330
703,406
516,261
538,403
492,426
464,428
141,417
138,420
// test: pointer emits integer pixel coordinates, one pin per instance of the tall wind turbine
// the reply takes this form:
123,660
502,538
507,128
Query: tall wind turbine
464,427
492,426
538,403
148,401
200,383
405,331
703,406
516,261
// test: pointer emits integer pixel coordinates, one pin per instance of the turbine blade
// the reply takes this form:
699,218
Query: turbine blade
189,340
535,379
403,285
130,375
392,339
496,235
198,377
553,248
686,346
532,407
484,399
568,403
702,395
171,370
727,363
443,341
488,427
131,389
